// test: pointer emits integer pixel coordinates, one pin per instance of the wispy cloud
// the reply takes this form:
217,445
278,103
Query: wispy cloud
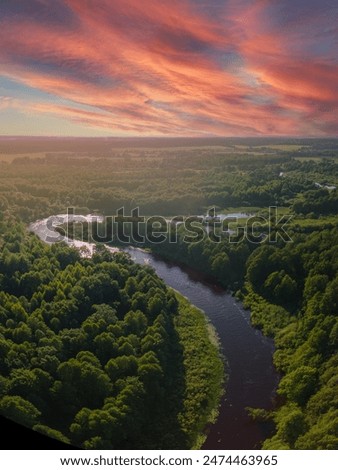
156,67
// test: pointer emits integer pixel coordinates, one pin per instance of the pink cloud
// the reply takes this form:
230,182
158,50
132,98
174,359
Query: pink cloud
155,67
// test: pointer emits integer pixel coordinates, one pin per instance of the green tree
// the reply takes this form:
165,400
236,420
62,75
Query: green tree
19,410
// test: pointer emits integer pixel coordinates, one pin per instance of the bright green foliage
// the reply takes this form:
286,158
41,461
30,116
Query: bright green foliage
94,352
291,290
305,335
203,370
299,384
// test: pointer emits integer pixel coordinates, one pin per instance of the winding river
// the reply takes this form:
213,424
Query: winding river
252,377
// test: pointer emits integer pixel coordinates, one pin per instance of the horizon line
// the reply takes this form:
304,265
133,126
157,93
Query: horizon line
19,136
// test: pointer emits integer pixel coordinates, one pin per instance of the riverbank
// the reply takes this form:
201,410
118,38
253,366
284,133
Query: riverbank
192,323
252,377
132,365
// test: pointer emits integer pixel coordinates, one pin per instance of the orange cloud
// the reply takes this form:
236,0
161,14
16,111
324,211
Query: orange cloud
155,67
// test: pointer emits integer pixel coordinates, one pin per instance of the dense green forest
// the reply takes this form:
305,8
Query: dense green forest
98,352
67,320
292,292
172,181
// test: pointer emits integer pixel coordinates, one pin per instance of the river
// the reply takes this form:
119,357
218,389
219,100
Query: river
252,377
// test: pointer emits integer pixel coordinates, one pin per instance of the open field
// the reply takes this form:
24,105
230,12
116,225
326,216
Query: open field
9,157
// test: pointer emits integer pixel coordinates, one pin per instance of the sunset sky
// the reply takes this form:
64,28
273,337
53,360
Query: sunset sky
174,68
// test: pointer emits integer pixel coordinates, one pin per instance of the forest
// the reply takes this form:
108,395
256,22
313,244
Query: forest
291,290
165,181
97,352
67,323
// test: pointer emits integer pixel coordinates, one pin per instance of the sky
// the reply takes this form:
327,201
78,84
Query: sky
169,68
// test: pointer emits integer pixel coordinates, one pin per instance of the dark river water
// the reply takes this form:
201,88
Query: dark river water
252,377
